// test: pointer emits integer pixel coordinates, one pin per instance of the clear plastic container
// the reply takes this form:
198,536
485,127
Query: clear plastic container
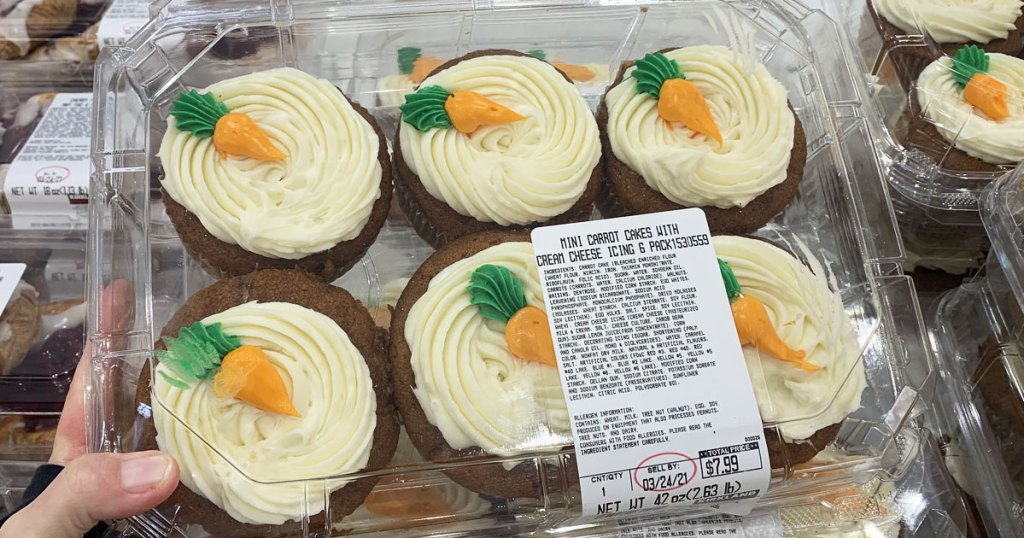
841,216
47,312
935,185
978,337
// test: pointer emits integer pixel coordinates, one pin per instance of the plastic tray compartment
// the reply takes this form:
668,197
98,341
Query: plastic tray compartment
940,190
356,49
979,334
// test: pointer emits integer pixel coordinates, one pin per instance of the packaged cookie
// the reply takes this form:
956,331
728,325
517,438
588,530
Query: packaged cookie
25,24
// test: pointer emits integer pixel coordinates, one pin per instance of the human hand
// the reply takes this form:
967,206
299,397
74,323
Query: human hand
93,487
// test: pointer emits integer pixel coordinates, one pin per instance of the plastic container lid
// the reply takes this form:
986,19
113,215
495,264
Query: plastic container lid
979,333
357,51
925,164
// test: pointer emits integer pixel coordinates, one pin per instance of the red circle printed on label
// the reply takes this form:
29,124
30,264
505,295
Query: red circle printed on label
52,174
665,471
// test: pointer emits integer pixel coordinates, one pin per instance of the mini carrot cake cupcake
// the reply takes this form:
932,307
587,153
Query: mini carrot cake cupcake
700,127
994,25
476,374
278,376
807,364
495,140
474,364
275,169
975,101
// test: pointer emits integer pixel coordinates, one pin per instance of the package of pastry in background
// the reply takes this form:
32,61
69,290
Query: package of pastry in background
40,39
44,159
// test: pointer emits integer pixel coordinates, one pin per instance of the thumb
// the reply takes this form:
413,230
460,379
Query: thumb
94,488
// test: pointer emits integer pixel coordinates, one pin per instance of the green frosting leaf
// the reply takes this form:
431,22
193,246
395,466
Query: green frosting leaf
407,57
967,62
196,353
732,286
198,112
424,109
652,71
497,292
538,54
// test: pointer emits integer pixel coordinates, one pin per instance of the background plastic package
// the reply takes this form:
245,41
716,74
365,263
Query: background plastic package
977,335
42,330
43,38
934,185
841,216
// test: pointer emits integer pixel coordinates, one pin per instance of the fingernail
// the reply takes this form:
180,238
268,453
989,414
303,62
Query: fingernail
143,474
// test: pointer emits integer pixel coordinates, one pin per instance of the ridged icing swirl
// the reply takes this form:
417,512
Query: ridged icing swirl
516,173
953,21
941,99
330,385
752,113
809,316
319,196
467,382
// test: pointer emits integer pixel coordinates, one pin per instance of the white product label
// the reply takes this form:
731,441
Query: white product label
65,273
121,21
663,412
50,176
726,526
10,275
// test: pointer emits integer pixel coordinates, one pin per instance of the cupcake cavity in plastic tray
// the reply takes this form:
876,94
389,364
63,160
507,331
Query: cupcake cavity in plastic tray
978,339
356,48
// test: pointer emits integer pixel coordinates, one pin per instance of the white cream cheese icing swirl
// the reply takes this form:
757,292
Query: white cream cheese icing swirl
517,173
330,385
809,316
320,195
752,113
953,21
942,102
467,382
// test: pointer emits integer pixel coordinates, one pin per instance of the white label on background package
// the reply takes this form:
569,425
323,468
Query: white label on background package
121,21
10,275
50,175
662,408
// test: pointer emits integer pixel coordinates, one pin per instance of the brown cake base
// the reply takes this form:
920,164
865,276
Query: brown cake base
934,280
919,133
222,259
525,479
625,192
437,223
304,290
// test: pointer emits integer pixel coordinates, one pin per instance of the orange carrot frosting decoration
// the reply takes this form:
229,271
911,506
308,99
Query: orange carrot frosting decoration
579,73
412,62
204,353
679,100
499,295
982,91
753,325
435,107
234,133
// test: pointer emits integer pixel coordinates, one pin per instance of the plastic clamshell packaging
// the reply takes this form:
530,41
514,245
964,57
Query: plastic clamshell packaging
49,303
355,48
978,339
934,182
44,38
